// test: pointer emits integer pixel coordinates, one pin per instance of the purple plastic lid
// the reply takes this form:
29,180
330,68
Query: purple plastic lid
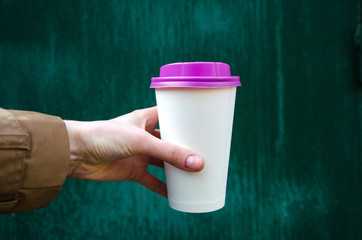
195,75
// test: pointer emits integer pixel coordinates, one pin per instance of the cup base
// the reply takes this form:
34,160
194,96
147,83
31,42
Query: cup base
197,208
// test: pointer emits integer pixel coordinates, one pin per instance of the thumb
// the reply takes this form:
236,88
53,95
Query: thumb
177,156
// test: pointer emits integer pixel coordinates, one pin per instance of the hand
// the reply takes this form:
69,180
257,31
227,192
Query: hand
122,148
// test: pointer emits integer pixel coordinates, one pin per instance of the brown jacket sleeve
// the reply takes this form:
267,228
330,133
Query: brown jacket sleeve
34,159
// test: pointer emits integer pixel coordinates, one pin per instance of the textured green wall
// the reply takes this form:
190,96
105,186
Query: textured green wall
295,170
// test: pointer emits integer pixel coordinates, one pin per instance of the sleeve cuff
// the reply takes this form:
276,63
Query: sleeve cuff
46,163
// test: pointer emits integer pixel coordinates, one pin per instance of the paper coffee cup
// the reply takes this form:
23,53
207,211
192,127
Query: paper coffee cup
195,102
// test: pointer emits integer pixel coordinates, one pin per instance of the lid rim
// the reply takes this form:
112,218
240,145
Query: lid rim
194,84
195,75
195,78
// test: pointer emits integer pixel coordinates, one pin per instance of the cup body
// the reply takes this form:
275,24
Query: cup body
201,120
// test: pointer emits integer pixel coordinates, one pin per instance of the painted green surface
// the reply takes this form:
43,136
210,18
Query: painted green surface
296,166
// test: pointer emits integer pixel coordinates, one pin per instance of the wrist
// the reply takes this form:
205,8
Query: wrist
76,145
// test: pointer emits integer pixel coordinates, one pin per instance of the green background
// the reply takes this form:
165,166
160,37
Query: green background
295,166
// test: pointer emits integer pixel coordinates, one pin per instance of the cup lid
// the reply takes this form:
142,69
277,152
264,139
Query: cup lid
195,75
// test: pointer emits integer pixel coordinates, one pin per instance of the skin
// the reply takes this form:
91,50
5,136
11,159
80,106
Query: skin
122,148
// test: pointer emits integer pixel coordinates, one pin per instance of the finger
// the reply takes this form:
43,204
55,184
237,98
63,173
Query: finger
143,118
154,184
157,133
151,110
151,116
177,156
156,162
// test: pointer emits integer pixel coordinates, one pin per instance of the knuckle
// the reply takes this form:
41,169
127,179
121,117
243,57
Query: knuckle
139,136
138,113
135,112
174,154
140,142
140,118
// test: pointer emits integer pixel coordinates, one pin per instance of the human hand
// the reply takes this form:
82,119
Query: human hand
122,148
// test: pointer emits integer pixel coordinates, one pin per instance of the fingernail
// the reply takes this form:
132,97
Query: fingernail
193,162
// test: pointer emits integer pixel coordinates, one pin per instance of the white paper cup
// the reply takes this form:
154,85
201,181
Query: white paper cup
200,119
